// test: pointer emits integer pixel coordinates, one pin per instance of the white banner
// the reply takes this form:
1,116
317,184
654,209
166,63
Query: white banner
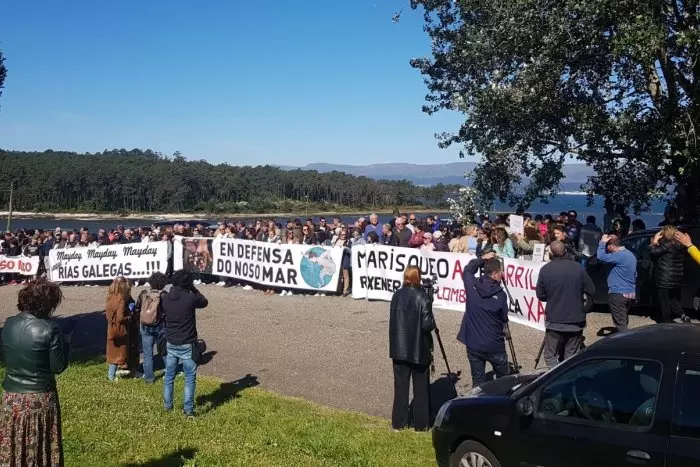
24,265
307,267
133,260
377,272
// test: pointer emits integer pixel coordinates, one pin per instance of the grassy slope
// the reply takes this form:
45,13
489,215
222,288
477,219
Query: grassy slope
123,424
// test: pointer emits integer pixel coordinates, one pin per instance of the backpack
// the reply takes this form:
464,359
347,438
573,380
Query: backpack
150,308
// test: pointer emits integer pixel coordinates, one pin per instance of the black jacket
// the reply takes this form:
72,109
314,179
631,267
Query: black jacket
561,285
401,238
179,307
410,324
668,263
34,352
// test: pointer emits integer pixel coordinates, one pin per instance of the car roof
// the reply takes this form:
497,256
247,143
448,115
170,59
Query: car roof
653,341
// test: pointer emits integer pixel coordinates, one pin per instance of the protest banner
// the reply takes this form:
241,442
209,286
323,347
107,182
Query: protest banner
134,261
378,272
24,265
307,267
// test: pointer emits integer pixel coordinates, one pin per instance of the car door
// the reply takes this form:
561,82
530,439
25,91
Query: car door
600,412
684,445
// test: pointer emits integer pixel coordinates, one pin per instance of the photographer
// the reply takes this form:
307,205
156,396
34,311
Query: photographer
485,317
562,284
179,306
410,347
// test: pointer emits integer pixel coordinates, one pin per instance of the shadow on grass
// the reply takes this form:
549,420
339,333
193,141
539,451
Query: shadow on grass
89,332
174,459
226,392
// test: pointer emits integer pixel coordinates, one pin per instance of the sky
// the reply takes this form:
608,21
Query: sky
241,82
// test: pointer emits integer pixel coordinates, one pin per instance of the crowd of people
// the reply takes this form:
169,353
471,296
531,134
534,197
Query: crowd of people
429,233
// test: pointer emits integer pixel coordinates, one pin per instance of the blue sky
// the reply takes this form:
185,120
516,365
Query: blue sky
243,82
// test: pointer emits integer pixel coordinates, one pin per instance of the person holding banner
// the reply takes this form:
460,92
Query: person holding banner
482,329
410,347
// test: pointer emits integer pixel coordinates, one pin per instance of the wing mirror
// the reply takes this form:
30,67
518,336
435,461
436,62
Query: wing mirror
525,407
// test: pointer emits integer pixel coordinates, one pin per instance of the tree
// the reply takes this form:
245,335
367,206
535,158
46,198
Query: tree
146,181
3,72
612,83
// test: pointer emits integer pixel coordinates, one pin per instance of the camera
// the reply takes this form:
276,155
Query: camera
428,284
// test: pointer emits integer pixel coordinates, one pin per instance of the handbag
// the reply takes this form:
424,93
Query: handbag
198,349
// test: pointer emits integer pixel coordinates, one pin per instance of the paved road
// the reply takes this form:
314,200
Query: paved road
329,350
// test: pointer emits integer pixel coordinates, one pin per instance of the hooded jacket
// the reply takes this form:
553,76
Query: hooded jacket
486,313
179,307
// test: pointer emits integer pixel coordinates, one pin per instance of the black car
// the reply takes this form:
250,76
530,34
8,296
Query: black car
638,243
629,399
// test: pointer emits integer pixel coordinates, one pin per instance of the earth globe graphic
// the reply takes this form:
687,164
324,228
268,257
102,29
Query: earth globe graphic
317,267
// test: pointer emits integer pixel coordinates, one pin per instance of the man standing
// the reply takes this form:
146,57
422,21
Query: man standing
402,236
622,278
589,237
179,306
562,284
374,227
486,315
411,222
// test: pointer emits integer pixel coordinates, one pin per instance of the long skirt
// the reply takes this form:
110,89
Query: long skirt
30,430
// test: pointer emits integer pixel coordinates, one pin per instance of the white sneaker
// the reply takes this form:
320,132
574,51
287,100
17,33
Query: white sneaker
147,285
221,284
136,284
289,293
283,293
322,295
197,282
247,287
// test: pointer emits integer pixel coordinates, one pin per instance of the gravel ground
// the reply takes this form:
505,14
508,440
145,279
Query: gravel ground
330,350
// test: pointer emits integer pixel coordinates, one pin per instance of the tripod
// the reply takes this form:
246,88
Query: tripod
514,307
453,377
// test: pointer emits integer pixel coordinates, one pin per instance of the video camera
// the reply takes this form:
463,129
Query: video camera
429,284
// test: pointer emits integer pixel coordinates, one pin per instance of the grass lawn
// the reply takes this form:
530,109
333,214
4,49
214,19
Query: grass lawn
123,424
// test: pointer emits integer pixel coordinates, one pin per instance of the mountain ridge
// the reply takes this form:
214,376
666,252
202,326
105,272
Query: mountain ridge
431,174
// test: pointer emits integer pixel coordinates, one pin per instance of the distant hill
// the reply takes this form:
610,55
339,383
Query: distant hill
432,174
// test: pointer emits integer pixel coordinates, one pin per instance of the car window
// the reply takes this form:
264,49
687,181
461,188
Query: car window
619,392
688,421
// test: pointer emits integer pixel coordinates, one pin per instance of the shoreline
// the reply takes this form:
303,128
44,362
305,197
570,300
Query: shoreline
198,215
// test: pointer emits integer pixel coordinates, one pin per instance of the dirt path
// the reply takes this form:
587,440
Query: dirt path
329,350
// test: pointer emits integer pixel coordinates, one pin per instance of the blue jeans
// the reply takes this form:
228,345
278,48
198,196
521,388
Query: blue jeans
112,371
150,335
177,353
477,363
